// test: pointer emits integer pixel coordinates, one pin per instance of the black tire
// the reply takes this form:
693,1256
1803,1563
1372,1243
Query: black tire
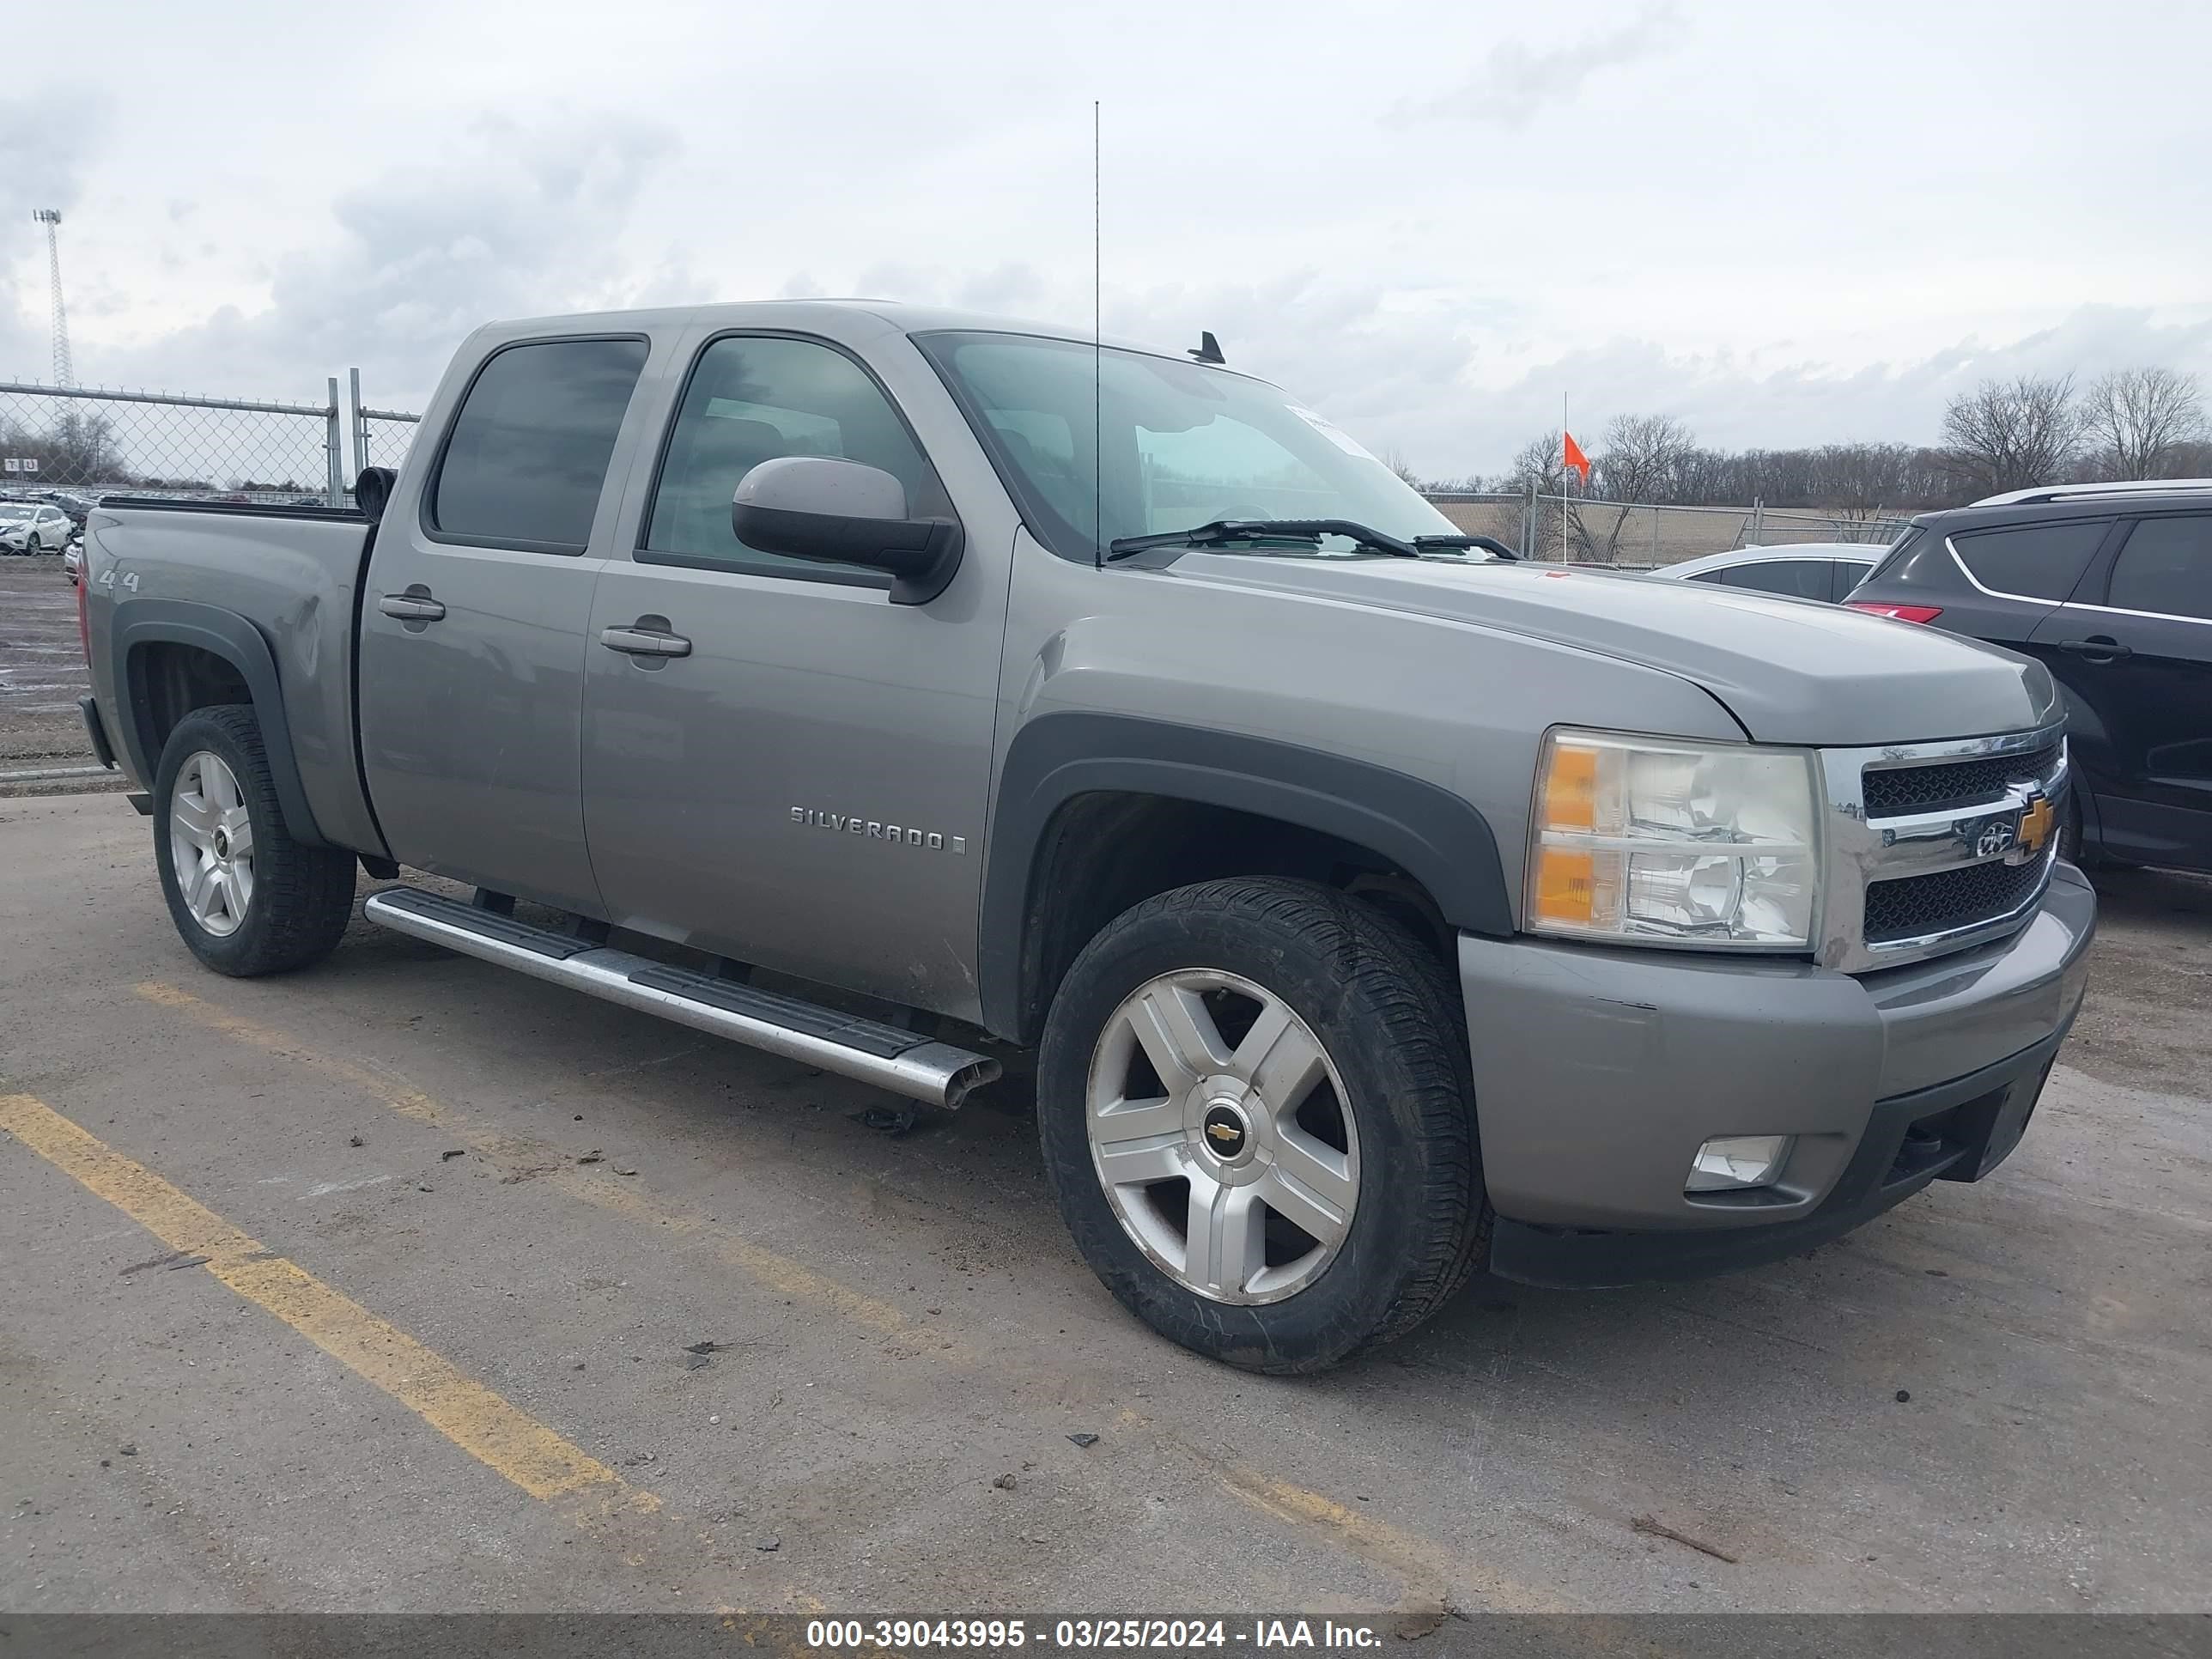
35,545
2077,849
1388,1018
302,896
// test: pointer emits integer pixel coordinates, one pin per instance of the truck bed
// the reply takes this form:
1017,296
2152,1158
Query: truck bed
293,573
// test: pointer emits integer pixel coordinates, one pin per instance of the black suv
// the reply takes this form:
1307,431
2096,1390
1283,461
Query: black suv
2111,587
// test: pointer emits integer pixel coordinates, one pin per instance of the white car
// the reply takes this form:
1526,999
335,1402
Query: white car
30,527
1799,570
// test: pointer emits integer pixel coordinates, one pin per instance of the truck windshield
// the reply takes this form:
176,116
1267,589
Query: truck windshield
1181,446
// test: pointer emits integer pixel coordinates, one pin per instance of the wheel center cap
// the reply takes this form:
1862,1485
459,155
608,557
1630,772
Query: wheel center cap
1227,1134
221,844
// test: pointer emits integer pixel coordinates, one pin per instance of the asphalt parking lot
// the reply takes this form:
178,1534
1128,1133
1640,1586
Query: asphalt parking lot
42,675
462,1229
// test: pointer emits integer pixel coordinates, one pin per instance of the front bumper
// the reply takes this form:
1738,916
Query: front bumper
1598,1073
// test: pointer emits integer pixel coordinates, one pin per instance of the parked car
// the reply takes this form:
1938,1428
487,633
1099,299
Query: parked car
73,505
33,527
2110,587
1807,570
73,559
1379,910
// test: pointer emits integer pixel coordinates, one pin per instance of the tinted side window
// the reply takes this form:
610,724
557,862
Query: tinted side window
755,399
1799,579
2166,567
529,450
1849,573
2038,560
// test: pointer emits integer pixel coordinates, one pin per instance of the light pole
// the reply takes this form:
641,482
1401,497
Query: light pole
51,219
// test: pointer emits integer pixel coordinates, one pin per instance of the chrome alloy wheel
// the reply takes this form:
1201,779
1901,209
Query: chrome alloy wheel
1223,1137
211,843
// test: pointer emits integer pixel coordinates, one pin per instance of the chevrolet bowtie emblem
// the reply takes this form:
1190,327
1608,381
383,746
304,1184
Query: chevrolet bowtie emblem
1223,1132
2036,824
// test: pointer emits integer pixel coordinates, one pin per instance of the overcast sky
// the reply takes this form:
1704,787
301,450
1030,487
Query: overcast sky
1783,224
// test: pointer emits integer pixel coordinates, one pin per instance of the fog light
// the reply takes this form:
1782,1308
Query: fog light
1731,1163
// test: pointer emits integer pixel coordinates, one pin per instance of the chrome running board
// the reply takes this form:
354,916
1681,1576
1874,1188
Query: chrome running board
867,1050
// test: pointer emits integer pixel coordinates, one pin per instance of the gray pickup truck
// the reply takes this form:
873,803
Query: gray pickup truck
869,684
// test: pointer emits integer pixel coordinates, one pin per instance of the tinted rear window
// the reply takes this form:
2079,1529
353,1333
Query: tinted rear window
2166,567
2036,561
529,451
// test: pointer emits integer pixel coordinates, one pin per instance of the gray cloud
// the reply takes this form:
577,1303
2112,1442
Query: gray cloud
509,220
1515,80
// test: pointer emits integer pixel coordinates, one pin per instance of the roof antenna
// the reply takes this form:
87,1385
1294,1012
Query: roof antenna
1097,361
1208,349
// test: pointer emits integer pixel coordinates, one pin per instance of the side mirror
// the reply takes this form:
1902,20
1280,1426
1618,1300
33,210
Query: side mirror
372,489
812,506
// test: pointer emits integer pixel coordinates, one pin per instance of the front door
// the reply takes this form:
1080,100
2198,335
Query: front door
804,786
2137,666
473,635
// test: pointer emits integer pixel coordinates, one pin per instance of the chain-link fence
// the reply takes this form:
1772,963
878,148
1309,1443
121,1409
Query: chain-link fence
382,437
70,438
1645,535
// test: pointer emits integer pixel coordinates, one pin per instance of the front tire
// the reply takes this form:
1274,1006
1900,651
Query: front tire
245,897
1256,1115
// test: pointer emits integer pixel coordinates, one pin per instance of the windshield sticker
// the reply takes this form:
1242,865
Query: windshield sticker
1336,435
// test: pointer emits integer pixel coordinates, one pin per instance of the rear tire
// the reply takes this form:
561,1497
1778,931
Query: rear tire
1324,1052
267,906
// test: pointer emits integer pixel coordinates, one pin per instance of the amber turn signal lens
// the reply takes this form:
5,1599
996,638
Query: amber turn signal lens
1570,788
1567,884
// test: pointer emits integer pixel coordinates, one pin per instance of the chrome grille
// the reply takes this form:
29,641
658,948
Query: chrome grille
1895,791
1926,847
1916,907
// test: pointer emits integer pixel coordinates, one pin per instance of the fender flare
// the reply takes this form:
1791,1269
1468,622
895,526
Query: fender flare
233,638
1436,836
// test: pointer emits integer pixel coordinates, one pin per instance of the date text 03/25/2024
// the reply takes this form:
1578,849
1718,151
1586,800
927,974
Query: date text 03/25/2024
1141,1635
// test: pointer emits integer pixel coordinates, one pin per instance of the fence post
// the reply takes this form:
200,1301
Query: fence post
360,426
332,453
1528,522
1655,535
1758,522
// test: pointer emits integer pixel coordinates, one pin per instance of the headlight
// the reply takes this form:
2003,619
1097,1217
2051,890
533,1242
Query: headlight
1643,840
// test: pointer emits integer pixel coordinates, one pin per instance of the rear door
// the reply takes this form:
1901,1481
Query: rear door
473,626
2134,649
803,787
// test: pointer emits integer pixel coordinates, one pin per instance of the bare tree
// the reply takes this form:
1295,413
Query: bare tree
2011,435
1395,459
2140,419
1539,465
1643,461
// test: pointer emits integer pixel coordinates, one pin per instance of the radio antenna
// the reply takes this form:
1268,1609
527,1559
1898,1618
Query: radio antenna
1097,360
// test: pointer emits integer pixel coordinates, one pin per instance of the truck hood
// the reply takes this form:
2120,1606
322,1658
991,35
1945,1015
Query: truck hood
1790,670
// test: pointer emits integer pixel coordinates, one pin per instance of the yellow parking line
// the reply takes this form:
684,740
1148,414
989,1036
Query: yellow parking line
1421,1566
1413,1560
505,1439
777,1273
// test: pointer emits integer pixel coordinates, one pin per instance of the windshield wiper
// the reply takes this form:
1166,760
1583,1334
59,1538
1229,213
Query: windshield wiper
1489,544
1261,530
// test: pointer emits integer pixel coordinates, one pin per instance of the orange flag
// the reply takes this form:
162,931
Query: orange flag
1575,457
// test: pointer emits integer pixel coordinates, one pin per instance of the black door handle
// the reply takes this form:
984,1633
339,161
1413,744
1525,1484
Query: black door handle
2098,647
639,641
